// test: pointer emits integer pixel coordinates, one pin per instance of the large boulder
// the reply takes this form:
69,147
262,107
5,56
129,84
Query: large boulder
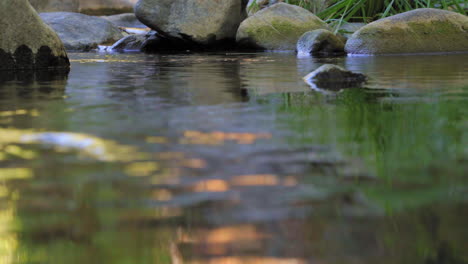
200,21
319,42
82,32
25,41
277,27
418,31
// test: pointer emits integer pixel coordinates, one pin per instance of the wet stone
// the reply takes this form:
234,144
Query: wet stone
24,58
334,78
7,61
45,59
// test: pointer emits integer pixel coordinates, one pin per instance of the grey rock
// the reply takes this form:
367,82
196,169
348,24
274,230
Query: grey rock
82,32
332,77
200,21
319,42
130,43
25,41
125,20
277,27
419,31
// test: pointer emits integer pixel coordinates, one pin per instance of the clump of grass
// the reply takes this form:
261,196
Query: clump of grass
370,10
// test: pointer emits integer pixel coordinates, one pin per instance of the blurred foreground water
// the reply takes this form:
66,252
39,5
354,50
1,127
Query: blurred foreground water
232,158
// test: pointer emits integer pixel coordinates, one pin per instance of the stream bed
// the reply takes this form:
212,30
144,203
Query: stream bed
230,158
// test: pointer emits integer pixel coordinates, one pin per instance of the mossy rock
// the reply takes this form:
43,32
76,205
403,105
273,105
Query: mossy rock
25,41
320,42
277,27
419,31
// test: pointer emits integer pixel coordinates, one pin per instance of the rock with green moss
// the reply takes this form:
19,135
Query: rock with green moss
320,42
203,22
277,27
419,31
25,41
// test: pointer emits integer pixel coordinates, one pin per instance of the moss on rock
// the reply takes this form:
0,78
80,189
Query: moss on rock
277,27
25,41
418,31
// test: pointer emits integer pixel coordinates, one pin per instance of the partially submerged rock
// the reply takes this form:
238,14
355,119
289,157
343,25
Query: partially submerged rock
130,43
320,42
155,43
203,22
277,27
82,32
332,77
418,31
25,41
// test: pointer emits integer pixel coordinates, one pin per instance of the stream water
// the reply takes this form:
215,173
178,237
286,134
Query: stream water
232,158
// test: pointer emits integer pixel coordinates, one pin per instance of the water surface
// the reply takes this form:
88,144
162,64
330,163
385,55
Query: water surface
233,158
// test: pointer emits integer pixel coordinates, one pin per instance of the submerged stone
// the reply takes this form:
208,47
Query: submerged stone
277,27
332,77
419,31
24,38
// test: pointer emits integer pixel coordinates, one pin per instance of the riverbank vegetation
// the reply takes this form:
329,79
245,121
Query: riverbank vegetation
370,10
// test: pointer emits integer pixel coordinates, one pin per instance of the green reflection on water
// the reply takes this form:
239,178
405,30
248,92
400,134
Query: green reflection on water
416,145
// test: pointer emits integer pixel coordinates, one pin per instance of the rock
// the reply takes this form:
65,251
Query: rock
25,41
315,6
125,20
82,32
277,27
255,5
56,5
418,31
335,78
320,42
106,7
155,43
204,22
129,43
347,29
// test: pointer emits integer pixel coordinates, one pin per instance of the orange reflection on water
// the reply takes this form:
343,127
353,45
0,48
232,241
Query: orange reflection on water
219,138
250,260
211,186
255,180
233,234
